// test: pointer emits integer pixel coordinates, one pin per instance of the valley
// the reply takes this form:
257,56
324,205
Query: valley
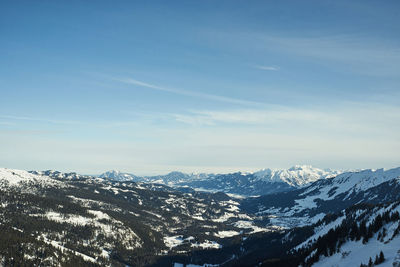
60,219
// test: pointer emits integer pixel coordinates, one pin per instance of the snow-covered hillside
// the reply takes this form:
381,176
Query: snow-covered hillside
106,222
90,219
355,238
309,204
21,178
350,183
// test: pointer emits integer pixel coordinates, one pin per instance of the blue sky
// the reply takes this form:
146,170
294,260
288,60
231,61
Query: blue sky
199,86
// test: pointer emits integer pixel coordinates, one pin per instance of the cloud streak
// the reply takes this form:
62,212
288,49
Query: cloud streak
269,68
188,93
364,55
249,116
368,55
24,118
347,119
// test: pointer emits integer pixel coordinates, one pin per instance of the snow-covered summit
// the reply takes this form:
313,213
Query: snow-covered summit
298,175
11,177
117,175
310,203
353,182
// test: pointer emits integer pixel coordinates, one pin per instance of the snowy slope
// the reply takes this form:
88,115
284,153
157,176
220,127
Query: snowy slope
90,217
94,218
355,253
13,178
347,250
351,183
309,204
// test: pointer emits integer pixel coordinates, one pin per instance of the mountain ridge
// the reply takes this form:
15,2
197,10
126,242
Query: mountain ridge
162,225
264,181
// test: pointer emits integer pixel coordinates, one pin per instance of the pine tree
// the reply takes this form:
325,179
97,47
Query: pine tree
370,263
376,262
362,230
381,257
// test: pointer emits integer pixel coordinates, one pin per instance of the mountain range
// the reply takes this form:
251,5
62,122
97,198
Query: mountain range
322,218
245,184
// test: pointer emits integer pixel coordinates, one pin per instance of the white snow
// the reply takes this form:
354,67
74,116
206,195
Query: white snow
223,234
99,214
224,217
298,175
354,253
173,241
358,253
207,244
348,183
72,219
255,229
113,228
62,248
353,182
322,230
10,177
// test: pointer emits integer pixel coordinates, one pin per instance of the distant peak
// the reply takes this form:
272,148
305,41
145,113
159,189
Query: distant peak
175,172
298,175
117,175
301,167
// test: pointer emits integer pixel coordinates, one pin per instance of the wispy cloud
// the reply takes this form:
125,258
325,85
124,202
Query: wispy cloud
270,68
38,119
249,116
370,55
360,54
6,123
348,118
12,121
213,97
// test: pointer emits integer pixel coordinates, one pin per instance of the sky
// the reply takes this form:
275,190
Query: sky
149,87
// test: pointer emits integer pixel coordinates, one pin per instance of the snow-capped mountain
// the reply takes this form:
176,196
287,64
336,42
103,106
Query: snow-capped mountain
59,175
296,176
309,204
103,222
23,179
263,182
118,176
171,178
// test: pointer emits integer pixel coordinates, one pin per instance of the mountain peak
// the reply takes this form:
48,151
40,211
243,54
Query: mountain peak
298,175
302,167
117,175
113,172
